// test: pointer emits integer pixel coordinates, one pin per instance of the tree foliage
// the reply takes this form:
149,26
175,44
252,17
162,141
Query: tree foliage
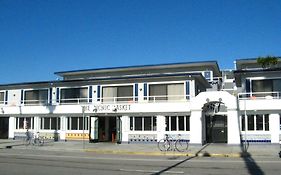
268,61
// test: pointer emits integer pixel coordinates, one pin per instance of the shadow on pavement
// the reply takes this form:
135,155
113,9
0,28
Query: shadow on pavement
177,164
250,163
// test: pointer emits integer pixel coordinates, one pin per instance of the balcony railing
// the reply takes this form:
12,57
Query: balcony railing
105,100
168,98
259,95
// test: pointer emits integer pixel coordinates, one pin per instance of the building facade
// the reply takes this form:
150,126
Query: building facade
139,104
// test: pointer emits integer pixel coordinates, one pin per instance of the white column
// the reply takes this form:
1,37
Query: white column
125,120
141,92
233,130
161,127
12,127
192,88
36,123
196,127
274,122
63,127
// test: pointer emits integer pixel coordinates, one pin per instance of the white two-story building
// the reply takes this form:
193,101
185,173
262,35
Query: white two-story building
139,104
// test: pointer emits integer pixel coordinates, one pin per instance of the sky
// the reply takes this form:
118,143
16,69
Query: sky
40,37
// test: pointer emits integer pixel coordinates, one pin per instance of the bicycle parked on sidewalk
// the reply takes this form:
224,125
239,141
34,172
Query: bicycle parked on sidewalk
170,144
34,139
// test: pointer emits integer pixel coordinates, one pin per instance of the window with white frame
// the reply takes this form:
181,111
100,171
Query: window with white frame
147,123
24,122
39,96
76,123
177,123
266,85
2,97
74,95
50,123
258,122
170,92
117,93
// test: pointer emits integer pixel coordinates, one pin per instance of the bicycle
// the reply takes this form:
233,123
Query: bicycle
34,139
168,143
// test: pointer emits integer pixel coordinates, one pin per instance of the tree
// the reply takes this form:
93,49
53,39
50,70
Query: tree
268,61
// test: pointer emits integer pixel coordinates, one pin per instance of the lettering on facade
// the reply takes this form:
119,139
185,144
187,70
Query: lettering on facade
112,108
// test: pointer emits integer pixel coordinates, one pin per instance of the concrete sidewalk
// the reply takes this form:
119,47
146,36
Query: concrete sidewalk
208,150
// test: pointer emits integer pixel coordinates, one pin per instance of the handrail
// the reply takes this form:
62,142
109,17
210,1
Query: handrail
129,99
259,95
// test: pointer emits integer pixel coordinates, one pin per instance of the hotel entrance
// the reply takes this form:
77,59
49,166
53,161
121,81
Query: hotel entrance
105,129
216,129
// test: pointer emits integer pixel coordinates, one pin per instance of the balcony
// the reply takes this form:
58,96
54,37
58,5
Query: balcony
173,103
259,95
259,101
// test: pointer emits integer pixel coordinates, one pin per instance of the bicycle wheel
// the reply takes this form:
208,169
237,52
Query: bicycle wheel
164,145
41,141
27,141
181,145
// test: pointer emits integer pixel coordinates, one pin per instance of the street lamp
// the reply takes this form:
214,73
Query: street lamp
84,108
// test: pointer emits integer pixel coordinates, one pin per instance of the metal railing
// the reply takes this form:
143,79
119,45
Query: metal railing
168,98
105,100
259,95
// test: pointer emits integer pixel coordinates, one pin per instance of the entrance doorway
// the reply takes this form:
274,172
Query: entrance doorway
216,129
4,127
105,129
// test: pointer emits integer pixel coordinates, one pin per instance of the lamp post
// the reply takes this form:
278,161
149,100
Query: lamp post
245,125
84,108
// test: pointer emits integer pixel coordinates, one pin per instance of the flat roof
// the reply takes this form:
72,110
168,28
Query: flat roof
141,67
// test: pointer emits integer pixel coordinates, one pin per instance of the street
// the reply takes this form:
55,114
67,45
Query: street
29,162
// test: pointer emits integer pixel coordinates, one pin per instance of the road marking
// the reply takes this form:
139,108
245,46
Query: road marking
136,159
152,171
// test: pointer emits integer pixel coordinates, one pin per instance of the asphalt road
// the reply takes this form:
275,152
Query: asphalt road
38,162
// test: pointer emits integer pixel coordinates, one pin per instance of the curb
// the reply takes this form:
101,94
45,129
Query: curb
233,155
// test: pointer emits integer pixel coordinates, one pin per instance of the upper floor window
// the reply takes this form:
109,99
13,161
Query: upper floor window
208,75
34,97
2,97
117,93
74,95
170,92
266,85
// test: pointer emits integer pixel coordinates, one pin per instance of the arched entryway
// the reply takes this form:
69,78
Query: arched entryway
215,116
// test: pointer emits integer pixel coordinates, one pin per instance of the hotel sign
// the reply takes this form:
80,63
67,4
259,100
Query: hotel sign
112,108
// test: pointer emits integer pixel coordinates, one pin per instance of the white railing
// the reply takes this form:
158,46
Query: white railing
168,98
105,100
129,99
259,95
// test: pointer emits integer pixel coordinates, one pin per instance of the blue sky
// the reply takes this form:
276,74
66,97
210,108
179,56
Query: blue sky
40,37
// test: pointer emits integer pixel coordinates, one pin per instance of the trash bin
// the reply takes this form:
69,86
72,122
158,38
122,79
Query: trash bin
56,136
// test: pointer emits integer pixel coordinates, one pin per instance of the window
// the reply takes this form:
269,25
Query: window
50,123
259,122
74,95
32,97
158,92
24,122
143,123
117,93
267,85
2,97
177,123
76,123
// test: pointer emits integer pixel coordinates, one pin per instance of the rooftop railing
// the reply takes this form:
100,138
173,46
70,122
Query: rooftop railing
259,95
